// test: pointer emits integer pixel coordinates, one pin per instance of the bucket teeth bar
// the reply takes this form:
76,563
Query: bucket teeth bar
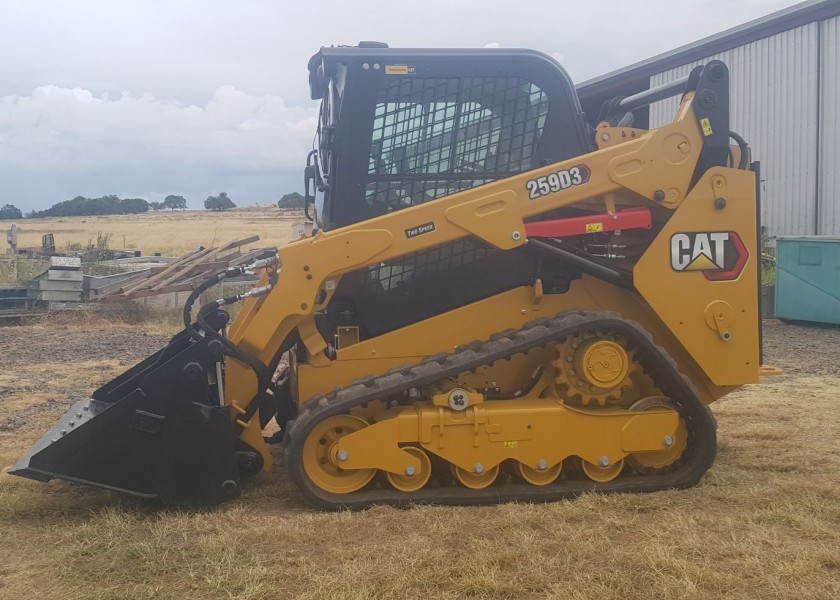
75,418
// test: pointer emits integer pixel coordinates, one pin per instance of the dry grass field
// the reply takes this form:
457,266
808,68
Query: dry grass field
764,523
167,232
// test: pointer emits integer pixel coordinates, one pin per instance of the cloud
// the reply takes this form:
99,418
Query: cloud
59,132
67,129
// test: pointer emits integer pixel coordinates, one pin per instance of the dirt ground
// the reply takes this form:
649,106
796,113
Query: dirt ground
764,523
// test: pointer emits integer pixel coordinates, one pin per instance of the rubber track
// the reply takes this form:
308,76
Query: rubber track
696,460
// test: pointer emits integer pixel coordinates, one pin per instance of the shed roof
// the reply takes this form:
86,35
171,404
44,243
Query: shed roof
640,72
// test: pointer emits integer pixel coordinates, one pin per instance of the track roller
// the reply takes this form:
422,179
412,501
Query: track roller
538,476
413,481
602,474
475,480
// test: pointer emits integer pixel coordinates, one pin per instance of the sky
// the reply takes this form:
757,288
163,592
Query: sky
145,98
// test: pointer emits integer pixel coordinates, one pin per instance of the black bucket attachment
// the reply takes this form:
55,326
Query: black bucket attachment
157,431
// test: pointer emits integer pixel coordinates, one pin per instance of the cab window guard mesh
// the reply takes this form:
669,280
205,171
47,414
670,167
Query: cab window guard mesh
437,136
391,275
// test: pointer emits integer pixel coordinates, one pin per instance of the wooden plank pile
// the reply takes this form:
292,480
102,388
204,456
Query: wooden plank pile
183,275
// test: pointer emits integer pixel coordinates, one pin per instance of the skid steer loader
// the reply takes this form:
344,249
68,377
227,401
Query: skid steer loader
498,302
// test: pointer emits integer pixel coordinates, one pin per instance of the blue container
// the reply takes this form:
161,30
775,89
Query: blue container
808,279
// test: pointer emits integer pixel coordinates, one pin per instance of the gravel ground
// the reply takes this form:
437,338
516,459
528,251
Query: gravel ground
801,349
68,363
24,345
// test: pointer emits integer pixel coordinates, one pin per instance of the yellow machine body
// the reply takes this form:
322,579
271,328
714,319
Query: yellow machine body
709,327
528,393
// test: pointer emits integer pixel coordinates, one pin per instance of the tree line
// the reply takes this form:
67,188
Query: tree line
114,205
81,206
104,205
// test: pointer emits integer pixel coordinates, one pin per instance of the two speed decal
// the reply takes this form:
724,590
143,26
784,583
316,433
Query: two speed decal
557,181
420,230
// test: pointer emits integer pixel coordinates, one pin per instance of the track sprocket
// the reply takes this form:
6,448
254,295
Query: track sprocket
594,369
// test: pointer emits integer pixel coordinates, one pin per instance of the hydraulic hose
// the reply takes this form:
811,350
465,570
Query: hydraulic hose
744,147
260,370
194,295
217,279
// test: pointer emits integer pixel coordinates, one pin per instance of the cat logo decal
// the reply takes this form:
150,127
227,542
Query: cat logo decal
720,255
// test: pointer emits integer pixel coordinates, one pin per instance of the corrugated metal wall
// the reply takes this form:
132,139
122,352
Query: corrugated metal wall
829,200
774,104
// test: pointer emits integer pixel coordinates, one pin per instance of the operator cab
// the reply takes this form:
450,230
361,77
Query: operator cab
399,127
402,127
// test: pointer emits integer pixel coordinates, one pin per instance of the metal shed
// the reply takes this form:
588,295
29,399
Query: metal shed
785,85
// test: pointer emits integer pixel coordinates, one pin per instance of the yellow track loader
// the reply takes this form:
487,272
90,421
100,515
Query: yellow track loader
503,299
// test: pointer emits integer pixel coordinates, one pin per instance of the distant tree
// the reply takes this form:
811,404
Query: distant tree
133,206
81,206
174,202
10,211
106,205
293,200
220,202
155,206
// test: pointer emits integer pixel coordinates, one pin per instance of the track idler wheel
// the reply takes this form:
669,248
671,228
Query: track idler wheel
538,476
322,461
670,453
413,481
